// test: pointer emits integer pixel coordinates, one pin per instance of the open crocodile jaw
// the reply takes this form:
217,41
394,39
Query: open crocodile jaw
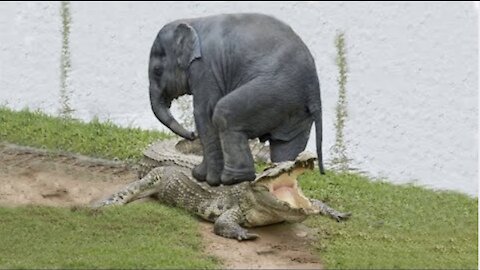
285,189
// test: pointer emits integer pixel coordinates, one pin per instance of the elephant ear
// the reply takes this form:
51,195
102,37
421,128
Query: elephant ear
187,45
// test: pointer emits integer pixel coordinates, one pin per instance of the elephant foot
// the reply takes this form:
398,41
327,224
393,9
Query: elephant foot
213,180
213,175
199,172
230,177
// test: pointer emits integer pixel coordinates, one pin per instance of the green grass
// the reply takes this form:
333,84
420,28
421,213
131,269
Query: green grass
142,236
393,226
94,138
135,236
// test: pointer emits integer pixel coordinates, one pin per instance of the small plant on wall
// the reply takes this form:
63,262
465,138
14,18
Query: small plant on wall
65,62
340,160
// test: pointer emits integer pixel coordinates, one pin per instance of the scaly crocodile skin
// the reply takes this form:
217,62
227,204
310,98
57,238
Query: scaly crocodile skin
167,177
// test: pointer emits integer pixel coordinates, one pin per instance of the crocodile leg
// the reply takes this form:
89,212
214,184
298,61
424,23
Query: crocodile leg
135,190
323,209
227,225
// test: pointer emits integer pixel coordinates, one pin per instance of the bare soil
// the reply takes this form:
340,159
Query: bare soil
281,246
31,176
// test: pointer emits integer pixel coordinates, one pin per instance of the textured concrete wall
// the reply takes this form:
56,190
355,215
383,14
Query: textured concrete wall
412,87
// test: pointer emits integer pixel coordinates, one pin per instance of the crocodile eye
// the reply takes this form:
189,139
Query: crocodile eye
261,188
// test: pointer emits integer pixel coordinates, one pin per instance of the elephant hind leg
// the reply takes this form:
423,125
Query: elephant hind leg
245,113
288,150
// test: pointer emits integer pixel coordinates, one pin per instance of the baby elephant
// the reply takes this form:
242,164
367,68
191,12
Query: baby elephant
250,76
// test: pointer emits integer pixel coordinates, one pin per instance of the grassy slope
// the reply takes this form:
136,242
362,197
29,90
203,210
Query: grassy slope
95,139
392,226
136,236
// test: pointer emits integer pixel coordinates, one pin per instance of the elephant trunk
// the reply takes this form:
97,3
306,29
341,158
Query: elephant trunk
162,112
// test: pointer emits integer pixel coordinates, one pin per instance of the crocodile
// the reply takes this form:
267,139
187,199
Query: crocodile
187,153
273,197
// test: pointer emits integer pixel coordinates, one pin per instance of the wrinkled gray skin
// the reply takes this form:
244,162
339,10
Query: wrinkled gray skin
250,76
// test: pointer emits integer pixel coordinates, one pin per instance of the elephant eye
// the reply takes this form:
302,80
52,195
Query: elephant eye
160,54
157,70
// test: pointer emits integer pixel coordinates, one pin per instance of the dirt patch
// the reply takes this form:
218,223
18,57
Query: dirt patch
281,246
29,176
32,176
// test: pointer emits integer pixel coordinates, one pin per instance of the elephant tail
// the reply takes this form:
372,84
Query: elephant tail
317,116
315,108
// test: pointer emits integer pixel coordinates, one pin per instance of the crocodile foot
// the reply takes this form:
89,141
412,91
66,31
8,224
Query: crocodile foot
235,232
326,210
341,216
106,202
227,225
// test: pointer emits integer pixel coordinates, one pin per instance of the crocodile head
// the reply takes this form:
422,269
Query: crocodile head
277,189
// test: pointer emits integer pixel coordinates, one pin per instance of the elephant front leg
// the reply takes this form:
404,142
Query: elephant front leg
211,167
238,159
239,163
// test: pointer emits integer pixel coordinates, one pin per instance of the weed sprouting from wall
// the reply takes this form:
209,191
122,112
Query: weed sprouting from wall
65,62
340,160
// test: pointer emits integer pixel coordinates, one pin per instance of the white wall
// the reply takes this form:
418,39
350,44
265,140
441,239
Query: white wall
412,82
